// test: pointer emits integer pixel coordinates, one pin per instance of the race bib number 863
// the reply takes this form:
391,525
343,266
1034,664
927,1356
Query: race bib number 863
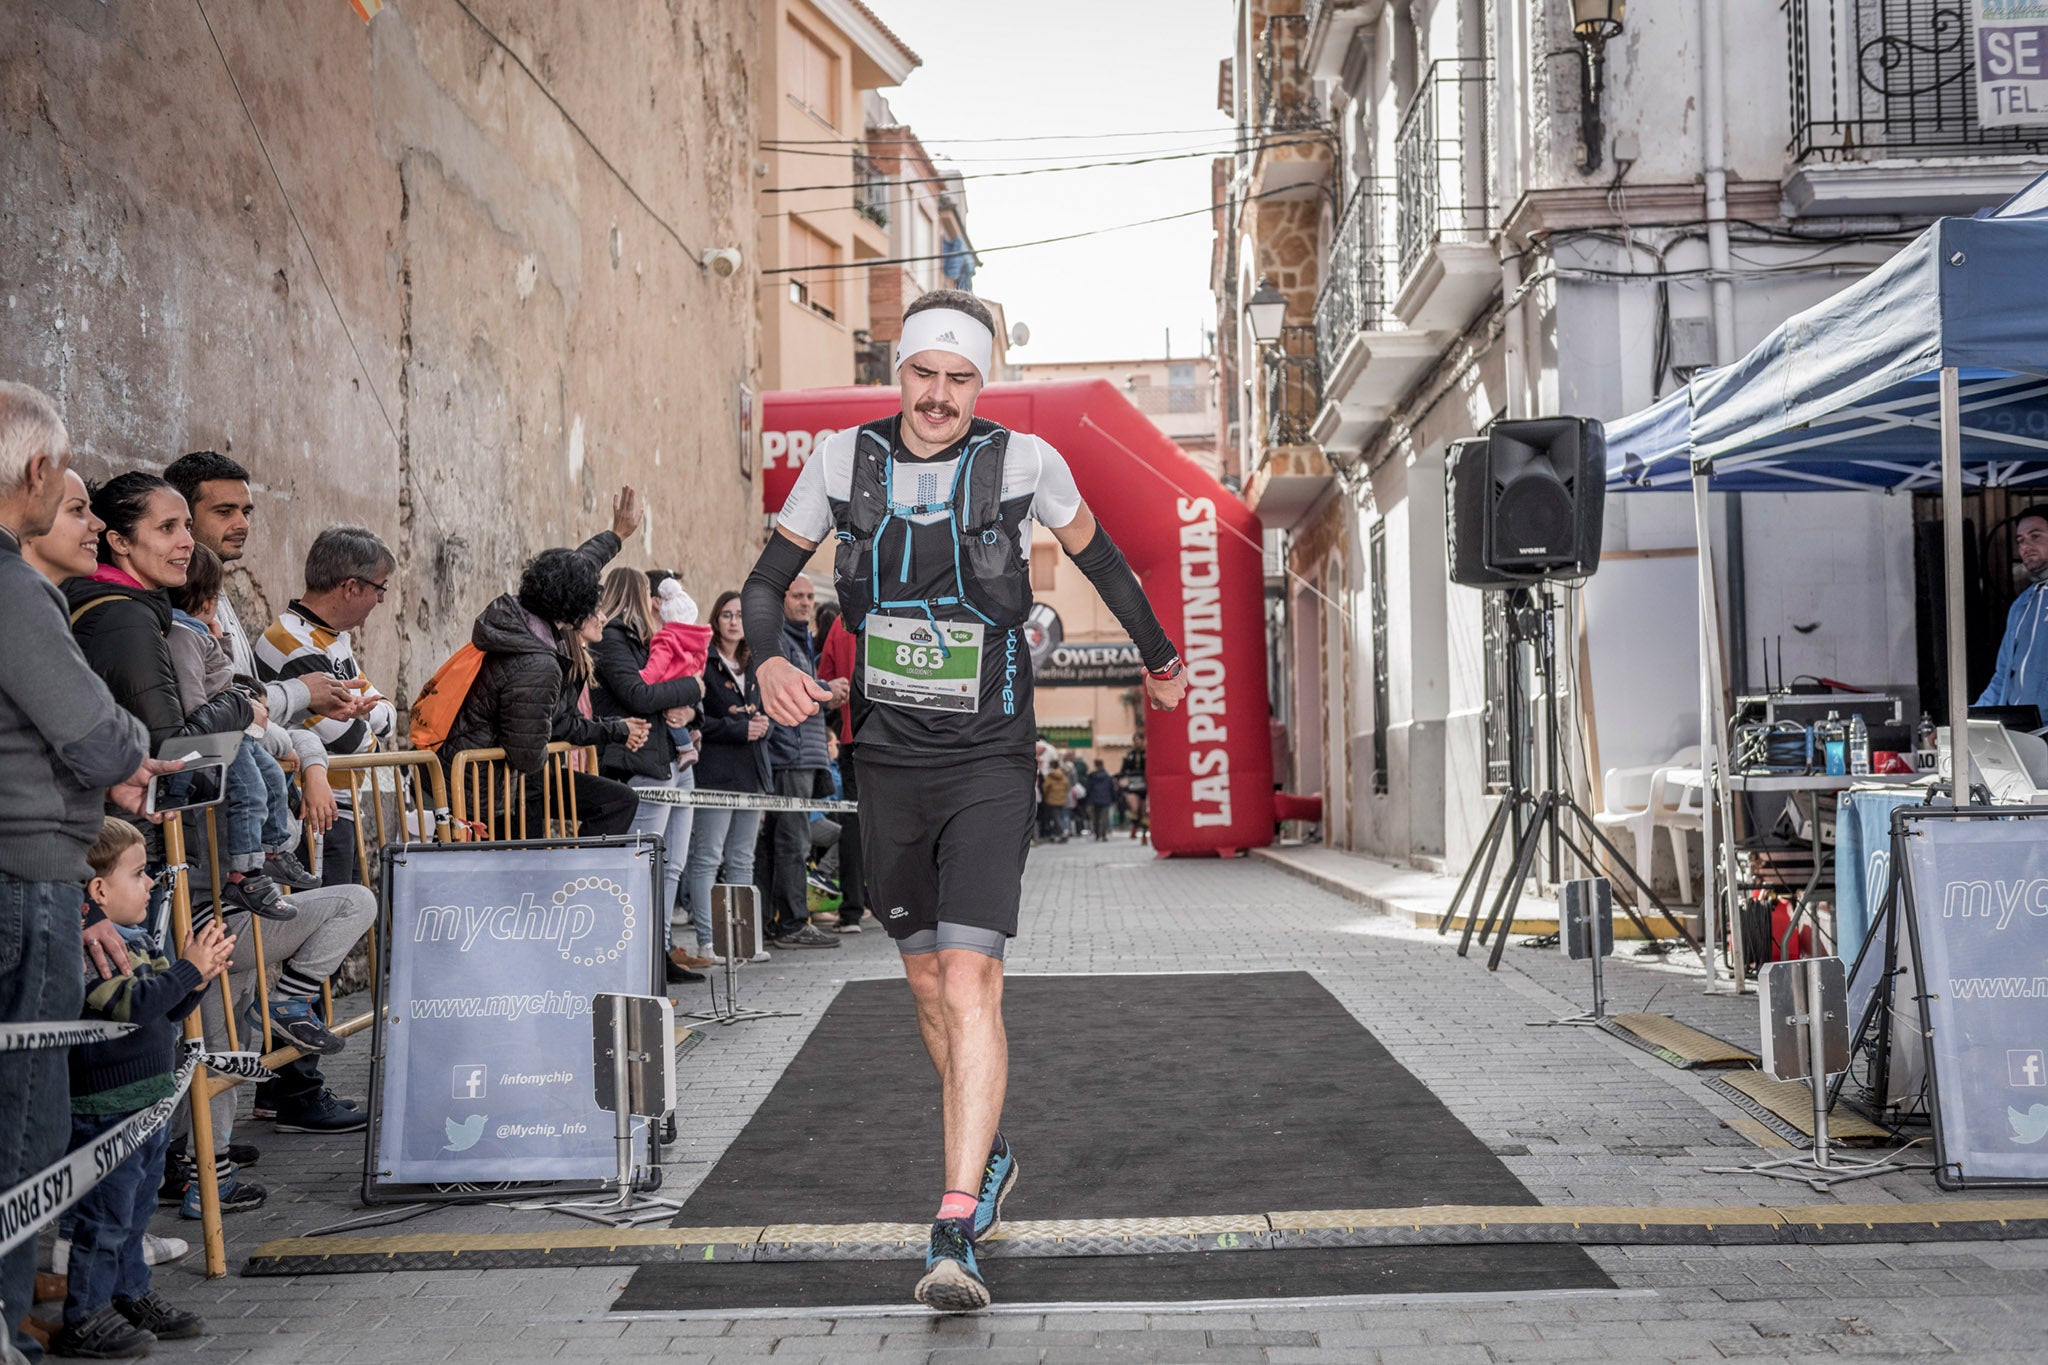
911,662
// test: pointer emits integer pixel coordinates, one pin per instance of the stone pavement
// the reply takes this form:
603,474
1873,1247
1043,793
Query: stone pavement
1577,1115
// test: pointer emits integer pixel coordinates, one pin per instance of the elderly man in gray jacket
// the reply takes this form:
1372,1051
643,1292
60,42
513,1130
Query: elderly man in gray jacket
65,748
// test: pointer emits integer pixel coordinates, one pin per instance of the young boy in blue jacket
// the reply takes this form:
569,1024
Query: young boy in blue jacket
110,1311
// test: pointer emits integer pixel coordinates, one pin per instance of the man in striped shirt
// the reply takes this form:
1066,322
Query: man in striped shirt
348,572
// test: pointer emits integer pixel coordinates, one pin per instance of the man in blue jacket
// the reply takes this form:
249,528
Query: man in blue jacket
2021,678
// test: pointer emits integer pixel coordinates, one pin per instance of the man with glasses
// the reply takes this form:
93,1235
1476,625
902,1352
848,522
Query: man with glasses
2021,678
348,572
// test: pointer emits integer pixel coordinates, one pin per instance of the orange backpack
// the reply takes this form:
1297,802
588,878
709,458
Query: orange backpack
434,710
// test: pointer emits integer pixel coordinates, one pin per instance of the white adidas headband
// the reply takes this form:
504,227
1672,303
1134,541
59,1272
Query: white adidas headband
951,331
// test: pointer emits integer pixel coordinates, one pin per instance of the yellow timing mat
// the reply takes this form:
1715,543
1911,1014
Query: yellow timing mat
1787,1108
1679,1044
1440,1225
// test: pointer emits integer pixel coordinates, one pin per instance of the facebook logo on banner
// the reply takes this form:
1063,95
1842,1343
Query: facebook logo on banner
2029,1066
470,1080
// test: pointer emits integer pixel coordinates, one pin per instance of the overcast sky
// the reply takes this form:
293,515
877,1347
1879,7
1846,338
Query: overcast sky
1053,67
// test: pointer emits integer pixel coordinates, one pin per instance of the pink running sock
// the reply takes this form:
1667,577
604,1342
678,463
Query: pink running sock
957,1204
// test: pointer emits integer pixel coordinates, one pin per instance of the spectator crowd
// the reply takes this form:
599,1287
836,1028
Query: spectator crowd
125,649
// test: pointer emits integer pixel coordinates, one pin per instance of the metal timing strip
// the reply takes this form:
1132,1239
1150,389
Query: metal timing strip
1439,1225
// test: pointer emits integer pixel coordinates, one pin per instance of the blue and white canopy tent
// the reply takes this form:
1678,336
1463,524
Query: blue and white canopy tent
1929,372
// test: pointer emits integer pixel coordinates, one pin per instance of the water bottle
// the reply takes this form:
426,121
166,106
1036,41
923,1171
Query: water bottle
1859,747
1925,759
1834,745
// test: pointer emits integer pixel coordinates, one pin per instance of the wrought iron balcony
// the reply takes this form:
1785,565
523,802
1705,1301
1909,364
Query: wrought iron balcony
1354,297
1889,78
1442,156
1286,93
1293,387
871,190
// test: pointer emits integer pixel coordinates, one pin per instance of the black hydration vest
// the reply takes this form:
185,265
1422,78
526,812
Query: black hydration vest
991,578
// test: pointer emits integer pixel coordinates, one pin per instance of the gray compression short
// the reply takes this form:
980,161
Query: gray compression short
987,942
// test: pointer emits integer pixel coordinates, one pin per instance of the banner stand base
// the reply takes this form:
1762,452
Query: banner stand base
1818,1171
736,934
641,1082
1805,1034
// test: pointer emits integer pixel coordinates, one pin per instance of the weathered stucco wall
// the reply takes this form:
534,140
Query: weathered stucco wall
535,335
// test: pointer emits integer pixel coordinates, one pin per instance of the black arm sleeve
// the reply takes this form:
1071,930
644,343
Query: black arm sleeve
782,559
1104,564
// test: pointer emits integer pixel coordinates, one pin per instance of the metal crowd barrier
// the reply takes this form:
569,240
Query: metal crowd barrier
488,799
411,781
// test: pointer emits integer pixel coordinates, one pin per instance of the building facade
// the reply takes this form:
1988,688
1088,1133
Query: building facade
824,205
924,208
401,288
1473,213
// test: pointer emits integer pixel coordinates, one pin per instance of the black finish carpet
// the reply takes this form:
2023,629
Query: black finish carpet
1151,1096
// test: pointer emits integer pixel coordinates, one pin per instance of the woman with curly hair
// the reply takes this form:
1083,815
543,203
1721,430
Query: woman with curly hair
536,647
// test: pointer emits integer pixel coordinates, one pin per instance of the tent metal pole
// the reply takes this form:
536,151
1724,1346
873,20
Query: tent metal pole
1952,581
1710,904
1715,810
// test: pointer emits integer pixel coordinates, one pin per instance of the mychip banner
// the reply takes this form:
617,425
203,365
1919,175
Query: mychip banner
484,1053
1978,893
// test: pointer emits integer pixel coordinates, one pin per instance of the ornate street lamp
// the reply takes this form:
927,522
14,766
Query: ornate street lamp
1593,23
1267,309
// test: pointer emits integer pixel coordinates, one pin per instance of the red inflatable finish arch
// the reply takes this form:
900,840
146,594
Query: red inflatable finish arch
1195,547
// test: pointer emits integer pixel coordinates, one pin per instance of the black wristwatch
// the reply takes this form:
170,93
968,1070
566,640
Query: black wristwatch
1168,673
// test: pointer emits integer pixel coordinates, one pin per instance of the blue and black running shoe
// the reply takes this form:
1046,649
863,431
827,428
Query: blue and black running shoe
952,1281
998,1178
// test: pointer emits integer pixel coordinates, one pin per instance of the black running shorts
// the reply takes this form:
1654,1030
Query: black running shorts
947,844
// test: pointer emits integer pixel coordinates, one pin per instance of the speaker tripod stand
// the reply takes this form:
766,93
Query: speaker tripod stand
1536,818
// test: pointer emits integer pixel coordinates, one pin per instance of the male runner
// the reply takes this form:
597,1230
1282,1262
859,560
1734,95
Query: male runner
933,512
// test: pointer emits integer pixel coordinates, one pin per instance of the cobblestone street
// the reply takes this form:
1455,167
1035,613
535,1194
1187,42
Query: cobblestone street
1577,1115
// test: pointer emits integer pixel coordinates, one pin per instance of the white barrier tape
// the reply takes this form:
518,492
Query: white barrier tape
37,1201
693,796
30,1037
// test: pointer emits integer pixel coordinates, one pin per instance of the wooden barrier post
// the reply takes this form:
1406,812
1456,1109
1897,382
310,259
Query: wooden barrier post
201,1147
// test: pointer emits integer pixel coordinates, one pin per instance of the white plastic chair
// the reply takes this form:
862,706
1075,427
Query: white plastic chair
1677,801
1631,800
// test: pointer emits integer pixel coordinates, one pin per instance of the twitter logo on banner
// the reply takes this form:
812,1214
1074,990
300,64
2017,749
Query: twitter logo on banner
2029,1127
464,1135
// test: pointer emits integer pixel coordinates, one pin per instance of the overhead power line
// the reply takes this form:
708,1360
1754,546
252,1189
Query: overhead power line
963,141
588,141
362,366
1217,146
1040,170
806,270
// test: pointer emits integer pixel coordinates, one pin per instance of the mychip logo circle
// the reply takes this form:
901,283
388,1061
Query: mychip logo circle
603,886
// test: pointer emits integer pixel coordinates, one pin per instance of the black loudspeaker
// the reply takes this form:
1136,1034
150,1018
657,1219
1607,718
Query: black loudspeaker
1525,503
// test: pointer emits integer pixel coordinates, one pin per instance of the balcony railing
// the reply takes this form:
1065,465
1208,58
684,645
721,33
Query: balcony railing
1889,78
1286,94
1294,387
1354,297
1441,160
870,190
